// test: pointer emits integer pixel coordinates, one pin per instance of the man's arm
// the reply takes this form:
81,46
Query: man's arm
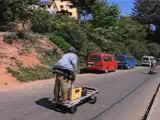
74,63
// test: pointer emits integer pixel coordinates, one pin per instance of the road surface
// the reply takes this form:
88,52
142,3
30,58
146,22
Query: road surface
124,95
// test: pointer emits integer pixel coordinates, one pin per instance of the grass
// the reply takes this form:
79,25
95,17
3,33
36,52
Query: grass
48,57
26,74
20,36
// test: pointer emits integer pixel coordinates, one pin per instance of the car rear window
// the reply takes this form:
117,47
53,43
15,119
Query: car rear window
120,58
94,58
145,59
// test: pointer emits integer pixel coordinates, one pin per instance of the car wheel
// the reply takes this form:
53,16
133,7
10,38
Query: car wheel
127,67
105,71
133,67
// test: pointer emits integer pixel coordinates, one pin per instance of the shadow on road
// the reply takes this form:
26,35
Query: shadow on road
85,71
45,102
150,72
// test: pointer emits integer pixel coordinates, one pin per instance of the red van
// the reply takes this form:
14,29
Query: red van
101,61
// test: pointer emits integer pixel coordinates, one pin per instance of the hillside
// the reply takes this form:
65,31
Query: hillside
25,58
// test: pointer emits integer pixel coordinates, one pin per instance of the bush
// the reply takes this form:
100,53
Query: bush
50,56
41,21
32,73
10,38
21,35
59,41
154,49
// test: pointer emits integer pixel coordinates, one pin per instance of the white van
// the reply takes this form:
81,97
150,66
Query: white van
146,60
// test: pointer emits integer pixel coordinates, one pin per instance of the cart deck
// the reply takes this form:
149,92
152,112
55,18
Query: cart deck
90,95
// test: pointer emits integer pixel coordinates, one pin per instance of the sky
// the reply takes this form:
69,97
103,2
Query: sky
124,5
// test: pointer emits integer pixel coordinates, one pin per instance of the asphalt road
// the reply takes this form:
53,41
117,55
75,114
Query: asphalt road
124,95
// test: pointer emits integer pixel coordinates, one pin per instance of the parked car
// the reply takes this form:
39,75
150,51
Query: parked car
126,61
101,61
158,61
146,60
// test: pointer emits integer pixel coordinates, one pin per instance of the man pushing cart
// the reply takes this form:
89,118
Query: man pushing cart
65,71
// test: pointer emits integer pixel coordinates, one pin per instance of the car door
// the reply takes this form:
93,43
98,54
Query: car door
113,63
107,62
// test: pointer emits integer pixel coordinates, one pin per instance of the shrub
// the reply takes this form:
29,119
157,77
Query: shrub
21,35
31,73
41,21
49,57
154,49
59,41
10,38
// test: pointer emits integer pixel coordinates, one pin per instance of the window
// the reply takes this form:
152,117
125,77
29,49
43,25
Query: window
61,6
94,58
107,58
129,58
120,58
113,58
145,58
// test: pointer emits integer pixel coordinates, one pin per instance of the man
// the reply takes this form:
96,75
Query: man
65,70
153,64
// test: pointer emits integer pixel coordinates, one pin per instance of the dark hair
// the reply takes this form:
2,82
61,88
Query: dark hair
72,50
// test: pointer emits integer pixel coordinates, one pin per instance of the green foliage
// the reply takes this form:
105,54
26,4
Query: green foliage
32,73
136,48
10,38
147,12
41,21
154,49
59,41
21,35
84,7
49,56
105,15
132,35
12,10
104,29
14,73
131,29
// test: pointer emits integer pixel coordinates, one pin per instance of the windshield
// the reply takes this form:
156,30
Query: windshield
120,58
145,58
94,58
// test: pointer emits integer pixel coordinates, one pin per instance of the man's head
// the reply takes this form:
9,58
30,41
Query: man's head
73,50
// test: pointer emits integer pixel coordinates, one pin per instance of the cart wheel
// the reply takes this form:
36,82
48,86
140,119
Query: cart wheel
93,100
73,109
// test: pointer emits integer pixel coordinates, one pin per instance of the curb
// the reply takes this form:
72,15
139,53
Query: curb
153,104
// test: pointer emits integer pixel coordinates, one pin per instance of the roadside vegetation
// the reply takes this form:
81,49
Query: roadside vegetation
99,28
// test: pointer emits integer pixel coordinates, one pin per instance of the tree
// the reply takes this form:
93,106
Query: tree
84,7
133,35
12,10
104,15
147,12
154,49
41,21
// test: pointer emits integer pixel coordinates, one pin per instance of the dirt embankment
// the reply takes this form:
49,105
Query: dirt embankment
11,54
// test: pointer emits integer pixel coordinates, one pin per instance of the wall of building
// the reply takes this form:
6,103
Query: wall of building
67,6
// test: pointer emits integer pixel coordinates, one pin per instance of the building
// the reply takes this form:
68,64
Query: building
66,6
49,5
61,6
